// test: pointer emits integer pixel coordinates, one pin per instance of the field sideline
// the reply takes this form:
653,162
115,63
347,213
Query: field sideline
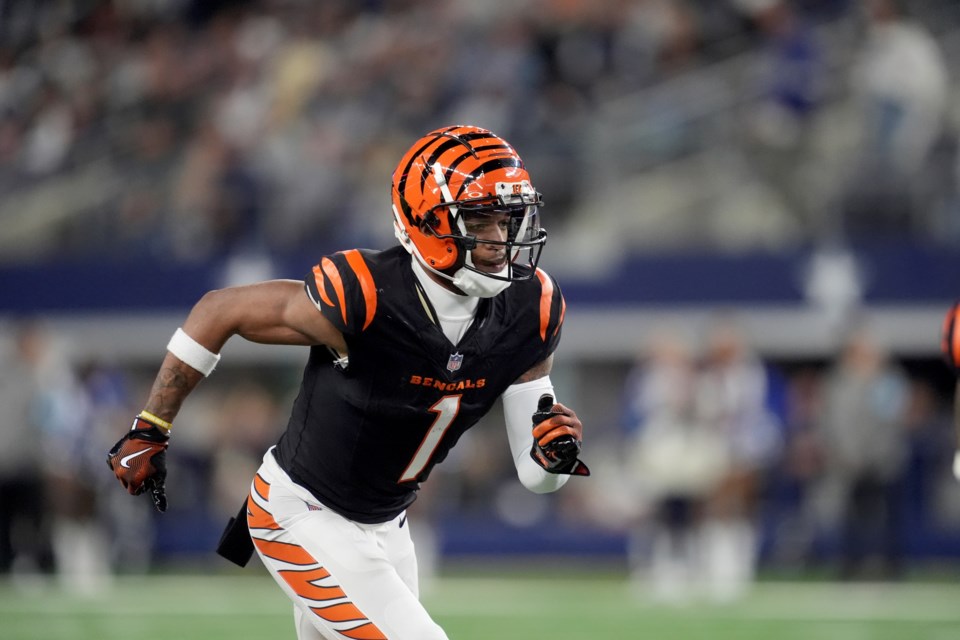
238,607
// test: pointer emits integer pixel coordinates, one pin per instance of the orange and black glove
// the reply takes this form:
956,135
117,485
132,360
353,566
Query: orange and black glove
557,438
139,460
950,338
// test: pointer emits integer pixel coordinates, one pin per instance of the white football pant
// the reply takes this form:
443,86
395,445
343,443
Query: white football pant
346,579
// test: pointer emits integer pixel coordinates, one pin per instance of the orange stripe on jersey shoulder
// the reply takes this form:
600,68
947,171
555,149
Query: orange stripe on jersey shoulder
367,285
331,272
546,297
366,631
563,313
321,286
284,551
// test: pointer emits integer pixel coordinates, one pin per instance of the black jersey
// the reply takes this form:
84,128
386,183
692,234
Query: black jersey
363,434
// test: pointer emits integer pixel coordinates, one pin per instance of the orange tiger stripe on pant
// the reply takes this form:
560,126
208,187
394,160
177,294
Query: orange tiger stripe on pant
302,583
284,552
367,631
258,517
344,612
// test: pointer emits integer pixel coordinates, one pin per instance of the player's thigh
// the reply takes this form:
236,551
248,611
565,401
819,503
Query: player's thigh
305,628
338,572
359,562
398,546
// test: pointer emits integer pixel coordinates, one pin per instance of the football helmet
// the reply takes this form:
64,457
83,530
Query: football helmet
460,171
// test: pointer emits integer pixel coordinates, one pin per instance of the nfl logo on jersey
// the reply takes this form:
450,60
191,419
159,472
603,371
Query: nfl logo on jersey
456,359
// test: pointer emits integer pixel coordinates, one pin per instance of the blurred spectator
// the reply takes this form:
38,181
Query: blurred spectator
53,518
792,79
84,404
25,538
931,444
51,463
795,533
865,444
732,399
675,460
902,86
100,514
71,462
704,441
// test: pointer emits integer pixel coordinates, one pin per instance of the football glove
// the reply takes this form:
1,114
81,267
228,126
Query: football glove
950,338
556,445
138,460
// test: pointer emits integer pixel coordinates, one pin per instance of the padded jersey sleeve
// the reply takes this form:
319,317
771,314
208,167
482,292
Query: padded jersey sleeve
342,288
552,310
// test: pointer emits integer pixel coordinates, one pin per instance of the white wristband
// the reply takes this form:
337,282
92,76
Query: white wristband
192,352
956,465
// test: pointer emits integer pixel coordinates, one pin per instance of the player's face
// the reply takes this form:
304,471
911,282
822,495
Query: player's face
493,227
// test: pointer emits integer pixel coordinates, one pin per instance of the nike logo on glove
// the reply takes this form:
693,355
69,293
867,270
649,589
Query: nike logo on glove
125,459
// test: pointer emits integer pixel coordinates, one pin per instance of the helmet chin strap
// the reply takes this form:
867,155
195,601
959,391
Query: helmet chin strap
474,283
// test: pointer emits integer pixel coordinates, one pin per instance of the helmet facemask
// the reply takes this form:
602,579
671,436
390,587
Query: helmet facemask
519,204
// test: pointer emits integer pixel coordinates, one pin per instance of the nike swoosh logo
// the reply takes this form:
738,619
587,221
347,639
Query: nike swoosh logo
125,459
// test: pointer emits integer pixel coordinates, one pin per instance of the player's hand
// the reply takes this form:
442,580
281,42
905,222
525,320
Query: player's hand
557,438
950,338
139,460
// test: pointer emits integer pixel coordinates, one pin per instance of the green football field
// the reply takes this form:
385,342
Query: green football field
237,607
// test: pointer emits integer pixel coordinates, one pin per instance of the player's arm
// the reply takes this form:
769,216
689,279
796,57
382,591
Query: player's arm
273,312
521,410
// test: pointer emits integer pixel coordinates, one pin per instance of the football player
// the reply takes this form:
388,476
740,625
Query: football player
409,348
950,347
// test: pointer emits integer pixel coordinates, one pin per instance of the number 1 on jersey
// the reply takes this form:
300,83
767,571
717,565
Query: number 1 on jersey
446,409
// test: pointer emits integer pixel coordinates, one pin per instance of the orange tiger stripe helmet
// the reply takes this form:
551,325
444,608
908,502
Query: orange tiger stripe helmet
465,170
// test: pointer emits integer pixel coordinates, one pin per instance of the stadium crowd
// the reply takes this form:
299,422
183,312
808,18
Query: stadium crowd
188,130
